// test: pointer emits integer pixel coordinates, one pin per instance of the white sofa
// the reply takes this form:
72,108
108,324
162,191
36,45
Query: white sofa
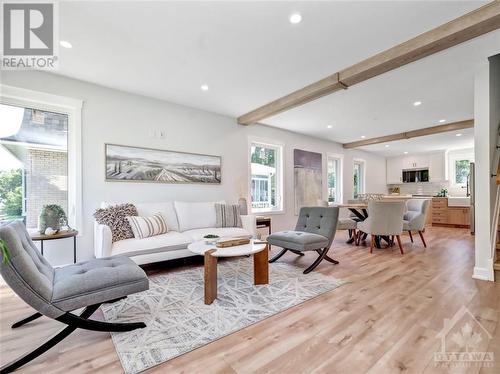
187,222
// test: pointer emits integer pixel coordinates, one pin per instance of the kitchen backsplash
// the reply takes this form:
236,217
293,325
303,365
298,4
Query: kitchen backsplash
427,188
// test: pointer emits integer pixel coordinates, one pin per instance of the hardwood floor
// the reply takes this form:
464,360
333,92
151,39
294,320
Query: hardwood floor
384,321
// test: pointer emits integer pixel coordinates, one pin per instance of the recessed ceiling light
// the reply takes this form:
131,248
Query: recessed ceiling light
458,134
204,87
362,136
65,44
442,120
405,152
329,126
387,146
417,103
295,18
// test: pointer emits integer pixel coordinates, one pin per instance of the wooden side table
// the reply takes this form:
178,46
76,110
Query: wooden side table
60,235
264,222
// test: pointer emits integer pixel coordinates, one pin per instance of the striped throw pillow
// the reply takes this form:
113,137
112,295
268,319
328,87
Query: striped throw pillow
227,215
144,227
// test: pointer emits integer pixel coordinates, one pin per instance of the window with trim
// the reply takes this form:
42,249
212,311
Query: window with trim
334,179
265,177
359,178
34,168
40,153
460,168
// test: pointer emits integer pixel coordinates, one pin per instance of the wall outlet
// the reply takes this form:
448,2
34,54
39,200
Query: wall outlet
162,134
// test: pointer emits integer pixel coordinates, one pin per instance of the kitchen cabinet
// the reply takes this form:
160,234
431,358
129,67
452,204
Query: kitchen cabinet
394,170
435,162
443,215
437,167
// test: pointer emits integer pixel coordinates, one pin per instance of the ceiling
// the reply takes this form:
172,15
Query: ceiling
248,54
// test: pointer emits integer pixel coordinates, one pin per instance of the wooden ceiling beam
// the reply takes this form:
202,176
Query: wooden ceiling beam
459,30
454,126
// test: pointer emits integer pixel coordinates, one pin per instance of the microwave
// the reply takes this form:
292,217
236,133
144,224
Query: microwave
415,176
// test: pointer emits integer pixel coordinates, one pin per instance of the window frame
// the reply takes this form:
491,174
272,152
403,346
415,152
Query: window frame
453,158
362,163
10,95
280,147
339,158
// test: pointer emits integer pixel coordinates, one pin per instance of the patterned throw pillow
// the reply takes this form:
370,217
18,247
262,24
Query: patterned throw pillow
115,217
227,215
144,227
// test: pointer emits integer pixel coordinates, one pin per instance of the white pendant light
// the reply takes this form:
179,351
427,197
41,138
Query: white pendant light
11,119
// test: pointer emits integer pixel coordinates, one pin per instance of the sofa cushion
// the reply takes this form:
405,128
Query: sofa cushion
195,215
166,209
223,232
298,240
115,216
170,241
96,281
148,209
144,227
227,215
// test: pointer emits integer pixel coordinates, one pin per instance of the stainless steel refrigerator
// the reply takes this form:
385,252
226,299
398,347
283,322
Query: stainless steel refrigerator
472,189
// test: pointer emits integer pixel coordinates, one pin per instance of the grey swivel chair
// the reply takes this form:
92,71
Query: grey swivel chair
315,231
385,218
415,217
56,292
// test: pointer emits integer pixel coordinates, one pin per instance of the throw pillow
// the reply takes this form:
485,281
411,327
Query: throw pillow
144,227
115,216
227,215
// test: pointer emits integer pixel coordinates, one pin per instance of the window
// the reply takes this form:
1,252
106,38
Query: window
359,178
334,179
35,145
459,166
462,169
40,152
266,181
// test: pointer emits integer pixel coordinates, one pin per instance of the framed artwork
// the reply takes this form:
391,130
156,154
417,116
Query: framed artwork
308,178
135,164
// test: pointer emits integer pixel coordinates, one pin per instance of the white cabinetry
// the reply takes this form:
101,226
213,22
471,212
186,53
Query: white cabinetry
395,166
435,162
437,167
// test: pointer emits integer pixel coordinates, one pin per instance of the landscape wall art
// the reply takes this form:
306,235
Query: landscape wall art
133,164
307,167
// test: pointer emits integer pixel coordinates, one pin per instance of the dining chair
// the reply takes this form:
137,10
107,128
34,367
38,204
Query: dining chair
348,224
385,218
415,217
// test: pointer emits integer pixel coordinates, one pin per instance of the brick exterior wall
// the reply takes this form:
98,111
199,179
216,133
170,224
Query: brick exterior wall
46,182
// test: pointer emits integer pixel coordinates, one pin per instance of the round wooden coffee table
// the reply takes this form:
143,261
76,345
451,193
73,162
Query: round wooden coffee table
257,248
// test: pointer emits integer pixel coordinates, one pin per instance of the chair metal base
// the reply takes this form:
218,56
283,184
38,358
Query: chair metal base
73,322
322,256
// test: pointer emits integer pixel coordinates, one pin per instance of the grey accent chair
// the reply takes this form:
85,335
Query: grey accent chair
415,217
315,231
385,218
56,292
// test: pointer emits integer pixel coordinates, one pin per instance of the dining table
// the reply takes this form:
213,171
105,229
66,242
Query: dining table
360,210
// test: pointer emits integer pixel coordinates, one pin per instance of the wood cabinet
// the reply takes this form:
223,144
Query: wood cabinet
443,215
435,162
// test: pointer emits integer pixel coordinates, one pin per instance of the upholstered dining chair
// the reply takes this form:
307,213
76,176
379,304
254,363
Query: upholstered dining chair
56,292
348,224
314,231
415,217
385,218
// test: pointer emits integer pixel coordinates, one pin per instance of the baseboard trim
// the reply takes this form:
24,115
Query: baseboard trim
483,273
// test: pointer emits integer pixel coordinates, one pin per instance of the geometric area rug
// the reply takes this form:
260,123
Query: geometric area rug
178,321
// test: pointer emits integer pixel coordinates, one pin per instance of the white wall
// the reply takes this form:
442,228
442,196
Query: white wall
486,119
111,116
